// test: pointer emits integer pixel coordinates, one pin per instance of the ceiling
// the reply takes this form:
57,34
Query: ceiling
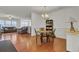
19,11
25,11
49,9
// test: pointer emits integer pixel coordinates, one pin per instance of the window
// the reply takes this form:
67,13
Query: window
13,23
29,23
25,23
7,23
1,23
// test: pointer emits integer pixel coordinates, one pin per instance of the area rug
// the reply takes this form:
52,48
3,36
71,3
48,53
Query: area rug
7,46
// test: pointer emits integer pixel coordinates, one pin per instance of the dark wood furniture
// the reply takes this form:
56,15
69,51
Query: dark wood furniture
41,34
49,28
47,32
38,35
49,25
44,36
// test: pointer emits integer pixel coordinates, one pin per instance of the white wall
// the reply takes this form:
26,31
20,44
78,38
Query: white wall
37,22
60,18
62,15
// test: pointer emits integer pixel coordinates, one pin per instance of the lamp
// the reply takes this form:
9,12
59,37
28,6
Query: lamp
44,13
71,20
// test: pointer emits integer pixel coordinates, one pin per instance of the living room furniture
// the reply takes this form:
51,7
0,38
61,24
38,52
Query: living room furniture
22,30
9,29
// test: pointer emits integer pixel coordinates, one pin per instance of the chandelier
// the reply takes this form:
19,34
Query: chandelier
44,13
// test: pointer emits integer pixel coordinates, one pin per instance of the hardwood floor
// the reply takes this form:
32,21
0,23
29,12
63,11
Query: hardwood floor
27,43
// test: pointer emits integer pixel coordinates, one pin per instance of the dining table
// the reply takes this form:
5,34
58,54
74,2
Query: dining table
44,34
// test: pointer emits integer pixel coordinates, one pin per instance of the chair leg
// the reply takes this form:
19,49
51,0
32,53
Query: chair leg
53,41
47,38
41,37
36,39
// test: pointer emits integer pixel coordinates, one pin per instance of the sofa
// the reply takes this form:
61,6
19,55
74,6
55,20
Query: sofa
9,29
22,30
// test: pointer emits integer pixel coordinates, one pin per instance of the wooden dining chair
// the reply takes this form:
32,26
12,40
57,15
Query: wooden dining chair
52,34
37,34
41,35
44,35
